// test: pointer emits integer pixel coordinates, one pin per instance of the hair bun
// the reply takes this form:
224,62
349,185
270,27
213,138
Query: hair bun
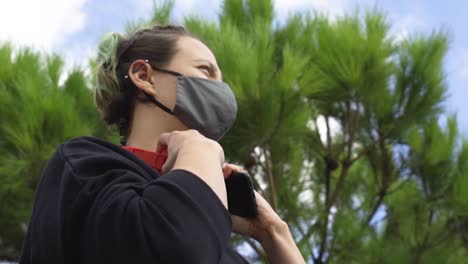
107,83
107,50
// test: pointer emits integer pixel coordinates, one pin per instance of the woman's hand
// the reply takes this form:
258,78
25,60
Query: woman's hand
259,227
191,151
267,228
188,142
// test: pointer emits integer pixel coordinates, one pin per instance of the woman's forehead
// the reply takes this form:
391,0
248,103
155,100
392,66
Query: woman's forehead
193,49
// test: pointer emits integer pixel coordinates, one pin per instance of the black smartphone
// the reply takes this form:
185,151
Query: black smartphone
241,196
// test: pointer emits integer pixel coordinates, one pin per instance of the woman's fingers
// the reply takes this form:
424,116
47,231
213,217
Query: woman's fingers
162,142
235,168
186,139
228,169
178,137
242,226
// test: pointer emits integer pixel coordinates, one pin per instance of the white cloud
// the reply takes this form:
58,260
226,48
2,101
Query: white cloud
403,26
329,7
413,20
208,9
457,68
41,24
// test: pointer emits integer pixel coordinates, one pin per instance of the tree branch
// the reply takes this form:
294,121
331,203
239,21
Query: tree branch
382,194
400,185
328,170
308,234
255,183
385,178
339,185
330,199
304,238
271,180
347,162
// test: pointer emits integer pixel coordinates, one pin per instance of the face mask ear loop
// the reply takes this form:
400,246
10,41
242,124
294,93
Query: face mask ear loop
167,71
163,107
156,68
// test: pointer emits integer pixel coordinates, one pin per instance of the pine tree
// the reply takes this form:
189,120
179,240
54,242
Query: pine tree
341,126
37,113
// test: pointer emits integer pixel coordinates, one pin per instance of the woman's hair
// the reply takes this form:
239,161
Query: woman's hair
114,94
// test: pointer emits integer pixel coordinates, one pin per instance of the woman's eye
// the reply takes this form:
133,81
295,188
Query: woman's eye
205,68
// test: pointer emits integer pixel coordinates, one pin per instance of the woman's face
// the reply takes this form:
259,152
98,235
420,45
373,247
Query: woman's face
194,59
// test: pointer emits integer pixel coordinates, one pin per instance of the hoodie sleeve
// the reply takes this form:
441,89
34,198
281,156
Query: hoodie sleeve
176,218
96,203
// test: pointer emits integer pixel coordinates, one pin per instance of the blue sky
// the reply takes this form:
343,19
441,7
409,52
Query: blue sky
73,27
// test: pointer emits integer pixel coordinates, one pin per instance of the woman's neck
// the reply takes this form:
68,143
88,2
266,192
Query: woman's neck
148,123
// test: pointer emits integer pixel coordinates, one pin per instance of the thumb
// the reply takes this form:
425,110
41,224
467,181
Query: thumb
227,170
167,166
162,142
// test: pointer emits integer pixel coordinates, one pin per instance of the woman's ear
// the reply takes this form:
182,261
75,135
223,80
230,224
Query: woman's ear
140,73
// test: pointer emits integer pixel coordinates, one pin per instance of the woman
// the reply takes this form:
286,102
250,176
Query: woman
101,203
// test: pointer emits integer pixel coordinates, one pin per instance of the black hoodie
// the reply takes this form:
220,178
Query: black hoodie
99,203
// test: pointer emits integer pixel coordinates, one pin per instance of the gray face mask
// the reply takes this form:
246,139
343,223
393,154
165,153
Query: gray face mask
201,104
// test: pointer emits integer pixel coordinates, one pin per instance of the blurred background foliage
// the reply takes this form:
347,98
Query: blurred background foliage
341,125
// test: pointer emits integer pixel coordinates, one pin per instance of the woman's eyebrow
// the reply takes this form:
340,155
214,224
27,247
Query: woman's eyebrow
211,66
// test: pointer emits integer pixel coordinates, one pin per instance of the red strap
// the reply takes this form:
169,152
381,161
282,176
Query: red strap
153,159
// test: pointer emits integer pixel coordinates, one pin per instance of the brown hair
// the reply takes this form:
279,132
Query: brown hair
115,95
